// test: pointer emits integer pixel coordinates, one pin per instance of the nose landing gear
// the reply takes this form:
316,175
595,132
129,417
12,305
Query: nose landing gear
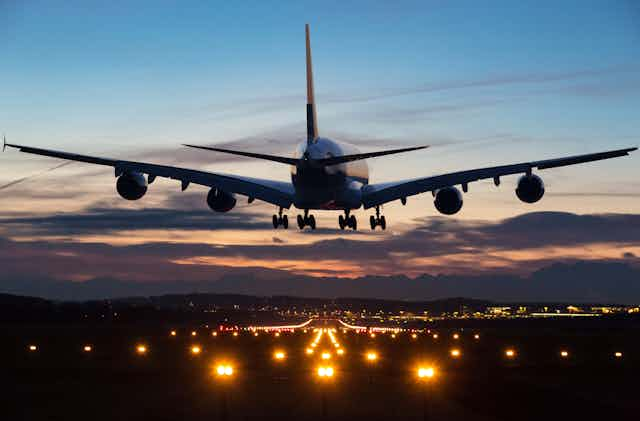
280,220
306,220
378,220
348,221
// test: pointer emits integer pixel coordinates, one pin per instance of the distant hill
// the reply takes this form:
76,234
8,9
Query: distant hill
580,282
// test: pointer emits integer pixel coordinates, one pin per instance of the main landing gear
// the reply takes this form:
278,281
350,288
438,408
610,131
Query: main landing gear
307,220
280,220
378,221
348,221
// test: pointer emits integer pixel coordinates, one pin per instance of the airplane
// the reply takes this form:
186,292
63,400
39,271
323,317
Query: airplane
325,175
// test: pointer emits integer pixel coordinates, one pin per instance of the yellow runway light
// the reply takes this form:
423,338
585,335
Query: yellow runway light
325,371
426,372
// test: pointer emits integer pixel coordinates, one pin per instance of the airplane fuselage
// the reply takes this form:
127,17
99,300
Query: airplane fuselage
334,187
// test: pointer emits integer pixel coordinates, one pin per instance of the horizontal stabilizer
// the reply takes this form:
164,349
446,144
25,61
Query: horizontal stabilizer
281,159
335,160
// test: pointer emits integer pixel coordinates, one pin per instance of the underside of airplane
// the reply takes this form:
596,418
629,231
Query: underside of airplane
325,175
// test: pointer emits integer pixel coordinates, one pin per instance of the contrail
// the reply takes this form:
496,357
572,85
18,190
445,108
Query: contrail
29,177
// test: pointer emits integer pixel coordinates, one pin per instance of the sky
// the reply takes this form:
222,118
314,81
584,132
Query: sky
483,83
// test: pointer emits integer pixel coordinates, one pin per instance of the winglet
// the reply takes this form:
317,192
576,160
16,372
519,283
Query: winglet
4,142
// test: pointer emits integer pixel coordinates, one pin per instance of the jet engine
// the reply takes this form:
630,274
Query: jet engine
131,185
448,200
220,201
530,188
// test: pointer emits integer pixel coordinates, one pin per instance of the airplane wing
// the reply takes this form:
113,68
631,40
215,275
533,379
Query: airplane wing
378,194
275,192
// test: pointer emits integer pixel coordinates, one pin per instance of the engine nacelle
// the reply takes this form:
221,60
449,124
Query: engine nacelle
131,185
448,200
220,201
530,188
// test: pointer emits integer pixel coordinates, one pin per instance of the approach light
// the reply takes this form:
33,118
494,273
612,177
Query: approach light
340,351
255,334
214,333
195,349
33,348
372,356
325,356
194,333
618,354
455,353
87,348
564,354
456,336
173,333
510,353
141,349
435,336
393,335
235,334
414,336
476,336
373,335
426,372
279,355
309,351
277,334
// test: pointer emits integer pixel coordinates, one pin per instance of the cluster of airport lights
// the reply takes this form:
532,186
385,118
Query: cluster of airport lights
324,370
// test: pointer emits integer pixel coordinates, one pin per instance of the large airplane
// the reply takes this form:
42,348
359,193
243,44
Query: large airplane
325,175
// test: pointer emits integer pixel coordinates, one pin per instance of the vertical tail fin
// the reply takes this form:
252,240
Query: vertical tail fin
312,121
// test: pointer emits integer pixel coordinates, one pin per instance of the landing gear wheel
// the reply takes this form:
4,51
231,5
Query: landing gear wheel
372,222
285,222
353,222
301,222
312,222
275,221
341,222
383,222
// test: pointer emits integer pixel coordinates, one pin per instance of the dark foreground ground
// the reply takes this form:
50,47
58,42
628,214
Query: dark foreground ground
61,382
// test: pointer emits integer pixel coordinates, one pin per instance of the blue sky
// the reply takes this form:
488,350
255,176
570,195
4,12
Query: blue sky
484,83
